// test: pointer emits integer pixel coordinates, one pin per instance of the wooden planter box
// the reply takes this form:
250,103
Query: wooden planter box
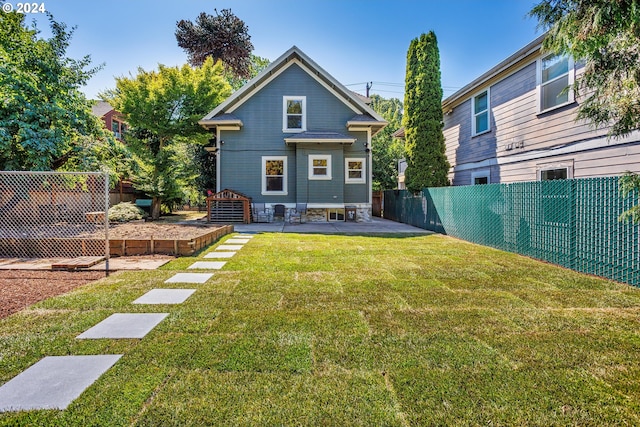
55,247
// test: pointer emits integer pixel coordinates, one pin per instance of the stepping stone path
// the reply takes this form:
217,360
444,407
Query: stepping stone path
209,265
56,381
53,382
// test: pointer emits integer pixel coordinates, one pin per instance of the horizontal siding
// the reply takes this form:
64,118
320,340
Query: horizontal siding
515,119
262,135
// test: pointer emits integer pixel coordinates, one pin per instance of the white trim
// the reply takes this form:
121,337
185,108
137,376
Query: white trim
474,114
363,178
485,173
570,79
285,188
312,176
285,114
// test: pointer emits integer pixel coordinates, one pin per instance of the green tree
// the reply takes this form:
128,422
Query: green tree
45,121
427,165
605,35
386,150
222,37
163,108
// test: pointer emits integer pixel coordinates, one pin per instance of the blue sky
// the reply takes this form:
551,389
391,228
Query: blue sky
354,40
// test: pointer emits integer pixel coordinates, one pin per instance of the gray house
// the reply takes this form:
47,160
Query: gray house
295,135
517,122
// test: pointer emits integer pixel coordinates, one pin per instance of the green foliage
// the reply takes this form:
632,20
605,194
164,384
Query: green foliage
124,212
427,165
222,37
386,150
629,184
163,108
257,64
45,121
605,35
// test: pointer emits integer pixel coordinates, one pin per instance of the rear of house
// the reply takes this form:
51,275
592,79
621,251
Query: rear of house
294,135
517,122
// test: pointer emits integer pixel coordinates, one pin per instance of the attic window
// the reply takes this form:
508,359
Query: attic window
294,116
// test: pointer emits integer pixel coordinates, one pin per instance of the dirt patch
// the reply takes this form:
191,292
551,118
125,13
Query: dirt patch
20,288
147,230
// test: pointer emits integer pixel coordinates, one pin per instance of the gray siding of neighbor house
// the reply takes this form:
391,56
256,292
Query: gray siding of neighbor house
262,135
522,141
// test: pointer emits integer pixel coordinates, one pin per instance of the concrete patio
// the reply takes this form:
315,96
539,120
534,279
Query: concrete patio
376,226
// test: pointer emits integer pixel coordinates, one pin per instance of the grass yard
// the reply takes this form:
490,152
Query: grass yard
343,330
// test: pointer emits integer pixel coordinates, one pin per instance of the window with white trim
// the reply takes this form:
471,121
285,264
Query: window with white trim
554,171
274,175
355,171
480,113
320,166
294,113
555,78
481,177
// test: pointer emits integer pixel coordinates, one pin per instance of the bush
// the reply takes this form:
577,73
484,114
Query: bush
124,212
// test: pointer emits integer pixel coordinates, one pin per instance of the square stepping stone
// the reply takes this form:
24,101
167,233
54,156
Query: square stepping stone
53,382
189,278
219,255
124,325
209,265
236,241
229,248
165,296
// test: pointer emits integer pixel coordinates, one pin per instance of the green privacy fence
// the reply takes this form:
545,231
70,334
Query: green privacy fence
573,223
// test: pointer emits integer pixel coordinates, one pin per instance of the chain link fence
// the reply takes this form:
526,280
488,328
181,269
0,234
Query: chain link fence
572,223
54,215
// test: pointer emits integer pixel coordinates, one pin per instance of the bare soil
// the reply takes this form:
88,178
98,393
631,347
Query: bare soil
21,288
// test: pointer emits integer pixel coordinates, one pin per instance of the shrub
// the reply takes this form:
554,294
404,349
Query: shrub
124,212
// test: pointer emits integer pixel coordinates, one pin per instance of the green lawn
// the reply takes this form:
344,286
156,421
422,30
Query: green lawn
342,330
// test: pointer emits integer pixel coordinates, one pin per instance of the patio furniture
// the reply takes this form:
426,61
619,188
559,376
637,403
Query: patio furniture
296,214
261,213
278,212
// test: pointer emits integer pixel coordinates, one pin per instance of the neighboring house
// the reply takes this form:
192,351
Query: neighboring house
293,135
113,120
517,122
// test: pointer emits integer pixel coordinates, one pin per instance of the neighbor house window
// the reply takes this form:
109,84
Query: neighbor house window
274,175
319,167
355,171
555,77
553,174
480,111
294,114
480,177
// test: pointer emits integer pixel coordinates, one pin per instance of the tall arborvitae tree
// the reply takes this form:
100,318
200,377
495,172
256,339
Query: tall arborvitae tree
427,165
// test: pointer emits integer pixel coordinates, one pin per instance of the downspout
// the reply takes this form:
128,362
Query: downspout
218,155
370,169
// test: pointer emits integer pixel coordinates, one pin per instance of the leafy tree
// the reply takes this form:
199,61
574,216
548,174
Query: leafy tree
221,37
163,108
45,121
427,165
605,35
386,149
258,64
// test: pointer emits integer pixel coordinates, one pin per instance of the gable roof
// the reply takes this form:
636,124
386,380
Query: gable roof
295,56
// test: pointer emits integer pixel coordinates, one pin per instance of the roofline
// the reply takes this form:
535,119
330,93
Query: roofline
502,67
282,61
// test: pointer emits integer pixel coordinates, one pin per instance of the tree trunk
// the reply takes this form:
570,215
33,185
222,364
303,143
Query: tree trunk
155,208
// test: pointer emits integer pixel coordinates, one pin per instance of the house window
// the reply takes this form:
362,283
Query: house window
553,174
355,171
555,78
320,167
480,177
480,107
294,117
335,214
274,175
